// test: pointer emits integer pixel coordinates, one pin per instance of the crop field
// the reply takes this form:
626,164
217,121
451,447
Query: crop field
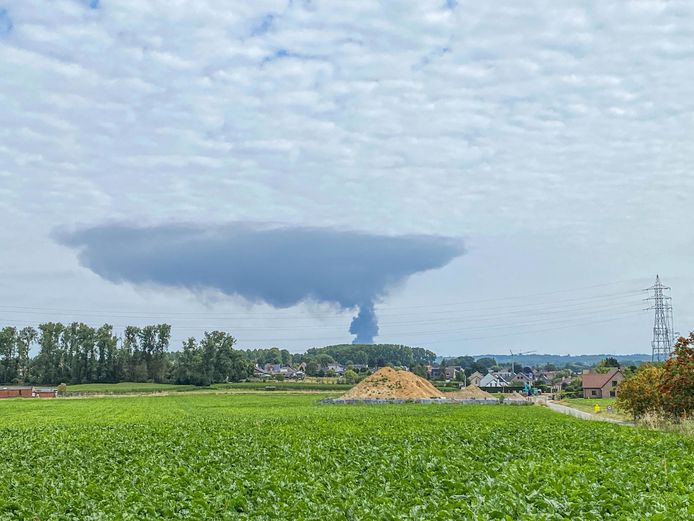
127,387
282,456
134,387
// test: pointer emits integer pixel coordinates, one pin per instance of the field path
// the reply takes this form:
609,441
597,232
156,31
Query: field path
584,415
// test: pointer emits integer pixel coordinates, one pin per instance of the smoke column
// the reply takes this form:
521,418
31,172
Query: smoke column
279,265
364,325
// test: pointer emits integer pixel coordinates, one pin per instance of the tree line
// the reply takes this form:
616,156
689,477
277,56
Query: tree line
77,353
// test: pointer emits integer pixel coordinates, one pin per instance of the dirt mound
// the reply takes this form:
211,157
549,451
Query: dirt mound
471,392
390,384
515,396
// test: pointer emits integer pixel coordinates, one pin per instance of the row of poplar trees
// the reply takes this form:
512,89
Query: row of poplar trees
77,353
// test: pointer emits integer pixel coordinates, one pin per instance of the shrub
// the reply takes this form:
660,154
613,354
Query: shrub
351,377
677,384
640,394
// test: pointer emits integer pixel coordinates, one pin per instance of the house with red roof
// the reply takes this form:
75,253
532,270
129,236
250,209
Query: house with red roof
602,385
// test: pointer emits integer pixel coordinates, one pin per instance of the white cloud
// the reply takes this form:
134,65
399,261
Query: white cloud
537,118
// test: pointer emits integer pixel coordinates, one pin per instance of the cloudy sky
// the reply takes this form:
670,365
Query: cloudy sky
551,142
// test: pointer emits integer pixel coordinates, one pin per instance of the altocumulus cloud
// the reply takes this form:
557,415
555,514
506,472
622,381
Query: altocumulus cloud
279,265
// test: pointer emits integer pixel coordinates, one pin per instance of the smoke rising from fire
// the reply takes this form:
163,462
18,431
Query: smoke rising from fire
279,265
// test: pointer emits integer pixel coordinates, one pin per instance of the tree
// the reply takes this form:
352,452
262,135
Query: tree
351,377
610,362
420,370
312,368
677,383
606,364
188,366
574,389
640,393
8,352
50,358
323,360
27,336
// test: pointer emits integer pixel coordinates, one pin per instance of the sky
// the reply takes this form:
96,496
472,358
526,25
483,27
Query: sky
507,175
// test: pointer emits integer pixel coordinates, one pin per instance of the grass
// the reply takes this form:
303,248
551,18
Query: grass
285,385
282,456
145,387
588,404
127,387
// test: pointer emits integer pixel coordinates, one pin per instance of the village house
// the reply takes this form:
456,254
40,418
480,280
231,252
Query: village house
493,380
601,385
451,372
338,369
475,378
522,378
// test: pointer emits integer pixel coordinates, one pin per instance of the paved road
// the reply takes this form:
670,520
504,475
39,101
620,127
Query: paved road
584,415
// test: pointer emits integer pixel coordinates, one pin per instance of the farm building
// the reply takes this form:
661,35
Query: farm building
27,392
601,385
16,392
45,393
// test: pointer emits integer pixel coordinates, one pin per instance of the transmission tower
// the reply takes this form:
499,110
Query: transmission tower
663,332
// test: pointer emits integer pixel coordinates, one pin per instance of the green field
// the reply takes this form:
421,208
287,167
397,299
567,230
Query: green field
127,387
134,387
267,456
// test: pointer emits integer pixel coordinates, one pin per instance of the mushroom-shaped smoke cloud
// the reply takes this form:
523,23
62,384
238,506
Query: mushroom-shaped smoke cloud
279,265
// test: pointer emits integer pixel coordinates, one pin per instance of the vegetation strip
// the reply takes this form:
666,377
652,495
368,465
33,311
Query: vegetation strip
265,456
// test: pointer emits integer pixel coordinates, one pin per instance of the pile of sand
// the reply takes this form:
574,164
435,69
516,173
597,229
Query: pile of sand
390,384
471,392
515,396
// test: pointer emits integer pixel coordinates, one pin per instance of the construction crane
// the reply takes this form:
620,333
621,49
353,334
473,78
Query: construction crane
519,353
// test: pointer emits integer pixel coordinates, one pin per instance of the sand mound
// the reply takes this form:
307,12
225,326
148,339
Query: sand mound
390,384
471,392
515,396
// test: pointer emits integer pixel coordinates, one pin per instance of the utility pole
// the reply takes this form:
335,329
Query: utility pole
663,331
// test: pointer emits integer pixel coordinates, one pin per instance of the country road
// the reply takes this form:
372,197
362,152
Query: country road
584,415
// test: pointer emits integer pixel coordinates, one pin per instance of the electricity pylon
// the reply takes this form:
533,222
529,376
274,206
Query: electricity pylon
663,331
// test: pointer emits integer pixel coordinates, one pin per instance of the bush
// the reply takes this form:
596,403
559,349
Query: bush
640,394
677,384
351,377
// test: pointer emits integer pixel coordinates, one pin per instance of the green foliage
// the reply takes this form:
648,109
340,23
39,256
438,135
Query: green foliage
126,388
351,377
606,364
242,457
373,355
213,360
677,384
574,389
640,393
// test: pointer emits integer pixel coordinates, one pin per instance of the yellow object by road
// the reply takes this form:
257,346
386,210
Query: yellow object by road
596,408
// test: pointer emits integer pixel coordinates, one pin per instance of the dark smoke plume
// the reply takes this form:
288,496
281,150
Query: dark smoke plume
279,265
364,325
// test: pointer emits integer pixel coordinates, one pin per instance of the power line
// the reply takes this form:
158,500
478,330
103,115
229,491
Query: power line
563,322
184,323
663,331
566,303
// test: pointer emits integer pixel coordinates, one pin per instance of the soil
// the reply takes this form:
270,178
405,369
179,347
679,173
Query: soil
516,396
391,384
471,392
